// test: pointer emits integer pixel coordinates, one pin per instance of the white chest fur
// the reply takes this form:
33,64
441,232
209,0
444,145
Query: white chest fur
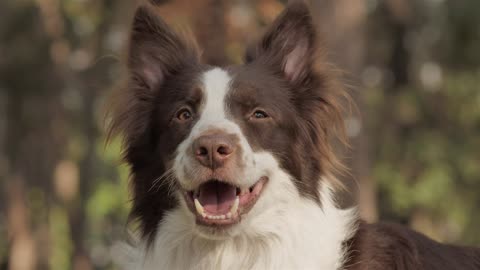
295,233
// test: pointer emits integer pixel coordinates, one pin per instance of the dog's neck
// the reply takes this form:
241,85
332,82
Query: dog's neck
297,233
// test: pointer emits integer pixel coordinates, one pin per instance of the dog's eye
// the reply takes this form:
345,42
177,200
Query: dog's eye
259,114
184,115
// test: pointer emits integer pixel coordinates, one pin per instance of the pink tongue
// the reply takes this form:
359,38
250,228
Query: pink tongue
217,197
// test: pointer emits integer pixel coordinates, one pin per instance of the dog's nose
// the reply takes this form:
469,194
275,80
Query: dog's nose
213,150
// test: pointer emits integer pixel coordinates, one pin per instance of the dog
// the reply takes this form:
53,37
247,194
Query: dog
233,167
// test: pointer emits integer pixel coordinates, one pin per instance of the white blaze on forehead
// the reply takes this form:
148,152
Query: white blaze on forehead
216,84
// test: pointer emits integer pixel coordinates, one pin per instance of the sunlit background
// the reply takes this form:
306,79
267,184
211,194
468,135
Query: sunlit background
412,65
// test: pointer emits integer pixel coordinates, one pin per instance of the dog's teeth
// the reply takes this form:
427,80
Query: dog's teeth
199,207
215,217
229,215
234,208
244,191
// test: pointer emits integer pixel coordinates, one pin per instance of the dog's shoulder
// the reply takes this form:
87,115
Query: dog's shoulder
391,246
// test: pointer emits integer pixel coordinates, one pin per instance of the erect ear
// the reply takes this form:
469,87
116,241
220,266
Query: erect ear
289,43
156,51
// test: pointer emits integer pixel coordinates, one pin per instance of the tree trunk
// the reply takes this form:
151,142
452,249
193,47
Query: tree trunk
23,253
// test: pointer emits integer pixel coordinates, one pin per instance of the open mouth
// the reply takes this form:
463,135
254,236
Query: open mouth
217,202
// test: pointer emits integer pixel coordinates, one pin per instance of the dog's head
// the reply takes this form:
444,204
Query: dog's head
225,144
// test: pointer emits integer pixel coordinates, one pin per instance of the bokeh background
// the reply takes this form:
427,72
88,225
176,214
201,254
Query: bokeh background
413,67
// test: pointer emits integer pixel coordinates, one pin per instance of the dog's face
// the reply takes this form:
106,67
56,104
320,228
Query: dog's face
211,140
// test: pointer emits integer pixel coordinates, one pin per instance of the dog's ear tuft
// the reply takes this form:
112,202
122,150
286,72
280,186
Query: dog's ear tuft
289,43
156,51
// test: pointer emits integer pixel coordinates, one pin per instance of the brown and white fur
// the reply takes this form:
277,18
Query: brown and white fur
262,130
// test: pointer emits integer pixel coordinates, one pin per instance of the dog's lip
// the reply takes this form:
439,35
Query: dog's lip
246,200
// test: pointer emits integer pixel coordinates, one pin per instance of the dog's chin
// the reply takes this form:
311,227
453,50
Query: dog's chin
218,206
218,233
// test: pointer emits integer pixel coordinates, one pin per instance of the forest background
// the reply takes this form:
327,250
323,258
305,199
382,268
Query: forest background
413,67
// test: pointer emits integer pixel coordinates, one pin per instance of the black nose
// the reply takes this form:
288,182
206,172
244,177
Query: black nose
213,150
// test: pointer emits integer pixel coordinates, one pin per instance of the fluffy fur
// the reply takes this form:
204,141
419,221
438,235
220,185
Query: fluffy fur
295,234
276,115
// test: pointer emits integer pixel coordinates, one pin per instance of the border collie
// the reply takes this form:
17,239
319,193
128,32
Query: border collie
232,167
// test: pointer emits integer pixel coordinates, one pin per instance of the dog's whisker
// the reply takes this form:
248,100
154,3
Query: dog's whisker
161,180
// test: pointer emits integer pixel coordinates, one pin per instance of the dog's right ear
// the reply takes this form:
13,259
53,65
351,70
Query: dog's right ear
289,44
156,51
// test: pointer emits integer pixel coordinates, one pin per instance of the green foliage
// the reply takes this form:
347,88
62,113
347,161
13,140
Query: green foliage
107,199
429,156
60,236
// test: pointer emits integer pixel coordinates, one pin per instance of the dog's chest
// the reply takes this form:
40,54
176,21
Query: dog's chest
308,239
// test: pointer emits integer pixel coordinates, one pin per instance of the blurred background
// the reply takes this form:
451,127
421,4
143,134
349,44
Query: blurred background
413,67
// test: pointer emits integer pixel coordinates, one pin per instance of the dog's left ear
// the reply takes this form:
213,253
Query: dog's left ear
289,43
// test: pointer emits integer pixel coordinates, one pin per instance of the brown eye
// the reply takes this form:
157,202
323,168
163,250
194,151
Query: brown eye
184,115
259,114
